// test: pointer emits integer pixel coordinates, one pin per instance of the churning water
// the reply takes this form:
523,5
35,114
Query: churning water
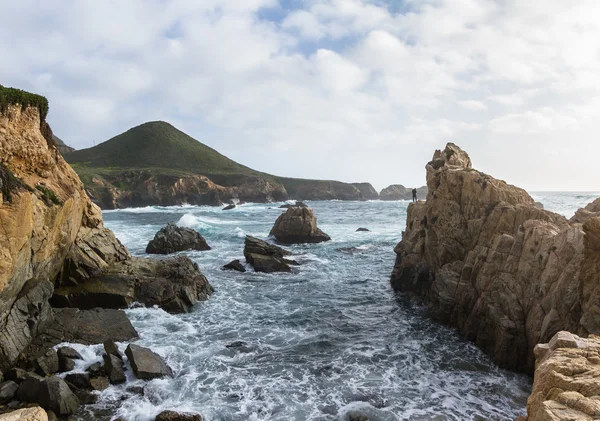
325,343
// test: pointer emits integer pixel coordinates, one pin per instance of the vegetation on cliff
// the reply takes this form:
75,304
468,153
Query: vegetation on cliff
11,96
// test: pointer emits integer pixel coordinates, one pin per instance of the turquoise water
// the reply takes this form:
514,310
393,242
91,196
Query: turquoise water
324,343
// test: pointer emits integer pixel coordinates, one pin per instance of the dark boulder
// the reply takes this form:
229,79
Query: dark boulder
8,390
66,358
265,257
78,381
99,383
177,416
111,348
96,369
16,375
298,225
229,207
174,284
51,393
361,229
47,364
173,238
235,265
114,368
146,364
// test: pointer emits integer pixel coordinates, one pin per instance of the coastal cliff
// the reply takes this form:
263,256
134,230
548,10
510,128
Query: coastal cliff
52,235
487,260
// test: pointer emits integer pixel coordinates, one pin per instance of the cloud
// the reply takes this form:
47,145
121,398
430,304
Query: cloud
337,89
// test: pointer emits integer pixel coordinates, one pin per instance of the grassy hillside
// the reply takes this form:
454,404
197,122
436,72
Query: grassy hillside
156,145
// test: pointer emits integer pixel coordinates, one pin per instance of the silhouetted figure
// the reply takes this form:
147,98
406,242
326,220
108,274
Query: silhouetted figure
414,191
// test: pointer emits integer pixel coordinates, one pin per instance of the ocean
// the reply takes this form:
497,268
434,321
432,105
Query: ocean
326,343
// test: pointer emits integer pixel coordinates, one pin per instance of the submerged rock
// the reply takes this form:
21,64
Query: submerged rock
173,238
298,225
287,205
229,207
146,364
67,357
505,272
362,230
177,416
265,257
235,265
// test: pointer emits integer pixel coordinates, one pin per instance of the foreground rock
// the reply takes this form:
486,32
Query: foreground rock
174,284
26,414
298,225
50,393
566,385
177,416
508,274
146,364
399,192
173,238
265,257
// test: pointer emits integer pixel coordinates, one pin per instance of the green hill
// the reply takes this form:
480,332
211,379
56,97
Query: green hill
157,144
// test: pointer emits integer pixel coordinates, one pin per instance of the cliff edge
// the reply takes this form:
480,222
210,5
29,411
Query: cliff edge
508,274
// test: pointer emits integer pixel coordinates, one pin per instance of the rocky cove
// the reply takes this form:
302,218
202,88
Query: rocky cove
327,339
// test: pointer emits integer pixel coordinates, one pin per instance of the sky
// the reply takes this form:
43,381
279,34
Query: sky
352,90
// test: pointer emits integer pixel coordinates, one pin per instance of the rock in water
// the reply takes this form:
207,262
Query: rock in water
265,257
298,203
146,364
565,385
235,265
363,230
51,393
173,238
177,416
111,348
298,225
66,357
113,366
26,414
229,207
505,272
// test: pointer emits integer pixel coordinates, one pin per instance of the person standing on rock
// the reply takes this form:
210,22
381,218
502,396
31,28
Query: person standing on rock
414,192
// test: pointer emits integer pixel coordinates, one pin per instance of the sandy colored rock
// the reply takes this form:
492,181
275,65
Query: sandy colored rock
487,260
566,385
26,414
298,225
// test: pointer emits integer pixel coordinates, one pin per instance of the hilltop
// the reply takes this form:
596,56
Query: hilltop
157,164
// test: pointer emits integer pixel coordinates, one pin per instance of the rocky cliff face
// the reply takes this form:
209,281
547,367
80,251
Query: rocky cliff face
566,383
367,191
50,233
329,190
508,274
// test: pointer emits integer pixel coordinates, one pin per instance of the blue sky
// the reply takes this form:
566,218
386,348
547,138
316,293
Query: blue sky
353,90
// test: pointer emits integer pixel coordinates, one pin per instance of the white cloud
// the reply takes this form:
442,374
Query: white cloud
333,80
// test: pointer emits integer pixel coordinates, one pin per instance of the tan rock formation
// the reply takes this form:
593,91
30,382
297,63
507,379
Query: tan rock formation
26,414
298,225
508,274
566,385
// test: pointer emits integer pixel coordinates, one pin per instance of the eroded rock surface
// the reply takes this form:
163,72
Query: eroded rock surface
508,274
265,257
26,414
298,225
566,385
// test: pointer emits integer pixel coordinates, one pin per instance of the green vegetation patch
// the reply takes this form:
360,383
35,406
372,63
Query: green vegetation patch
12,96
48,196
9,183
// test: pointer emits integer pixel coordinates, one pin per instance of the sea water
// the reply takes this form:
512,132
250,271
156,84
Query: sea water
327,342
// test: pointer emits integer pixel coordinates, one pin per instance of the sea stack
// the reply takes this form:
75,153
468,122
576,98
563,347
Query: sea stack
508,274
298,225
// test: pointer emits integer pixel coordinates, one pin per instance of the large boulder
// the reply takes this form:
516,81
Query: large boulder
146,364
487,260
114,369
25,414
565,385
265,257
298,225
51,393
174,284
173,238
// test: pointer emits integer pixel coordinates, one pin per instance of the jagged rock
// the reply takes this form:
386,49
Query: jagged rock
539,205
79,381
298,225
51,393
265,257
147,365
8,390
508,274
66,357
111,348
592,210
229,207
86,327
362,230
565,385
173,238
399,192
25,414
177,416
235,265
47,364
114,368
174,284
